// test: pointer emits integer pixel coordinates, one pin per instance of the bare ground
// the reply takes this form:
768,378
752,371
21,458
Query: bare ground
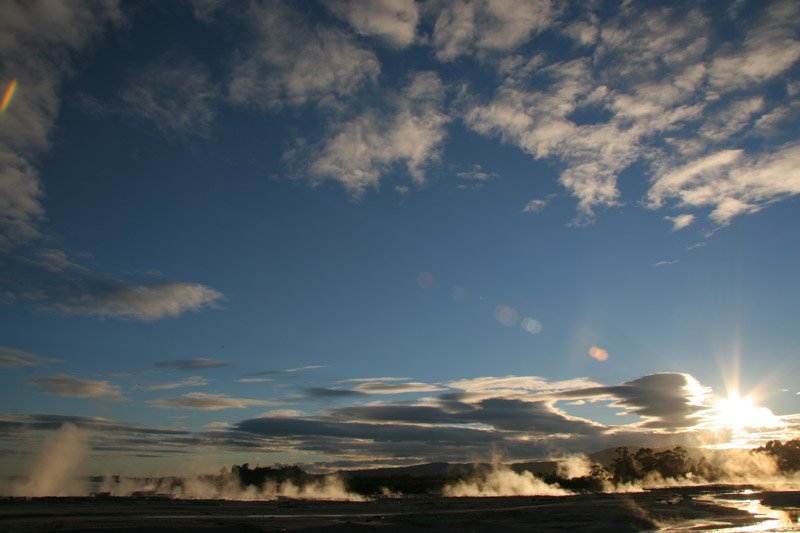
655,510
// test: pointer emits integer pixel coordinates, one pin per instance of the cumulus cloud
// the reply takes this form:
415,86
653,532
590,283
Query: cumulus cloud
649,92
393,21
360,151
197,363
534,206
539,123
680,221
597,353
175,94
66,385
40,40
206,402
732,118
730,182
14,358
770,48
483,26
139,302
664,400
292,63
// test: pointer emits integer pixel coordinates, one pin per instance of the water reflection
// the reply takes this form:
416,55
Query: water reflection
769,519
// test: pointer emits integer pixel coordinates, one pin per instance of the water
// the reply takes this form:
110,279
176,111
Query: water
748,500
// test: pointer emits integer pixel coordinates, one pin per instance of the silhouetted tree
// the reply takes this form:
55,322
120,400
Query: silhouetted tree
624,467
672,463
786,455
260,474
646,461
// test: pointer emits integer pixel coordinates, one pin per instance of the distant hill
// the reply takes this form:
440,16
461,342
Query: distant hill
441,469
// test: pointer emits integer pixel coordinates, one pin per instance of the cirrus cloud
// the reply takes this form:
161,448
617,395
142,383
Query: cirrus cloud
151,302
67,385
207,402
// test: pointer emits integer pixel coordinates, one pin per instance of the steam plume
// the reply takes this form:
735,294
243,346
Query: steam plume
56,468
502,481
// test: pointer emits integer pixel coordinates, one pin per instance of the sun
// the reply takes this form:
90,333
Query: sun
741,413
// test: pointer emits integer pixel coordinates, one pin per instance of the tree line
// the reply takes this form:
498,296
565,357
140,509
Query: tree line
627,467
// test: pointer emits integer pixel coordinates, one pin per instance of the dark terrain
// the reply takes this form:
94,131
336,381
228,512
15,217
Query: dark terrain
664,509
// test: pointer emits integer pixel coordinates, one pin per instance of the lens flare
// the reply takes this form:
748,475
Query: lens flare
8,95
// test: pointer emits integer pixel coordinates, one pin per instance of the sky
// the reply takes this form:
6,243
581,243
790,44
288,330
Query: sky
345,234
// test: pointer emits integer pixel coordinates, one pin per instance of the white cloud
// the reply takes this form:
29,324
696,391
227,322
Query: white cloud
38,40
585,32
292,63
649,80
664,263
730,183
534,206
14,358
639,42
143,302
597,353
194,381
175,94
66,385
680,221
479,26
378,387
477,174
255,380
206,402
394,21
771,47
521,383
360,151
736,116
53,260
538,122
282,413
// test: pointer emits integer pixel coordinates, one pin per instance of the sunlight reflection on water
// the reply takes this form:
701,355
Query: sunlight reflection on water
769,519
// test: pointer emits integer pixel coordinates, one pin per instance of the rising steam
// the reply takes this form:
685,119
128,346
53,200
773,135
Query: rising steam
227,486
55,472
502,481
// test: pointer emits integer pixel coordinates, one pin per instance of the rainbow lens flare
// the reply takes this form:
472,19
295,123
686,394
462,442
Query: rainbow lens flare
8,95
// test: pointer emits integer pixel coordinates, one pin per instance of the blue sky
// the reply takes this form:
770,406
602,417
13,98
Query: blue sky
346,233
